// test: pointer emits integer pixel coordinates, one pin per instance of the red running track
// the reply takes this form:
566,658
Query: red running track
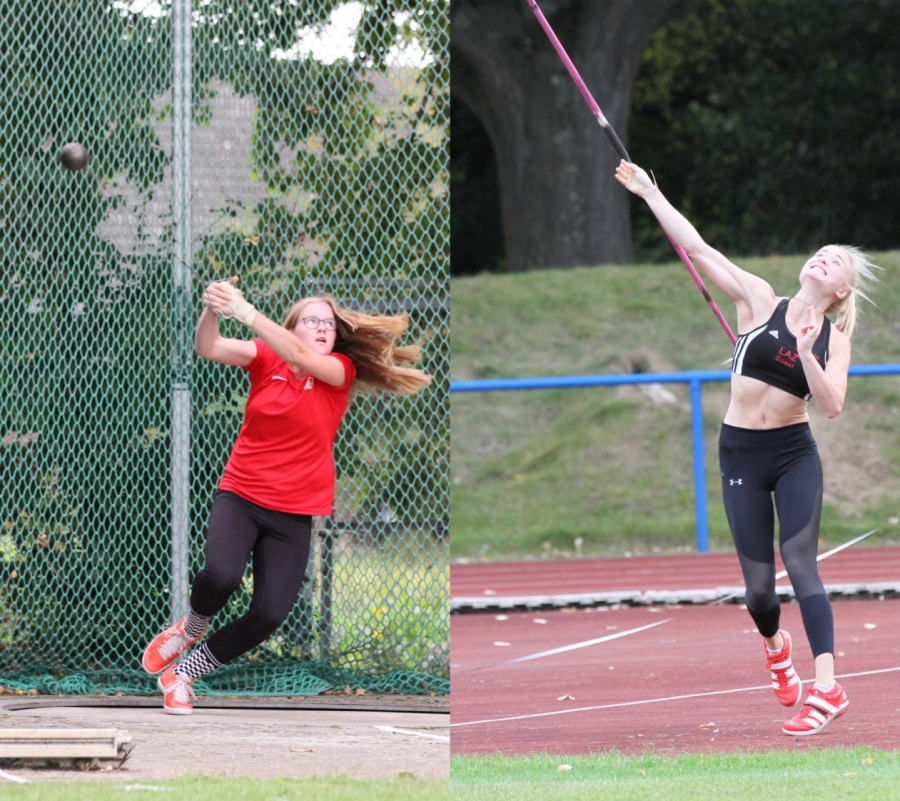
690,571
653,690
707,661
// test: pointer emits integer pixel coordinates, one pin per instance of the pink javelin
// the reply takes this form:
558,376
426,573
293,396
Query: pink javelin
620,149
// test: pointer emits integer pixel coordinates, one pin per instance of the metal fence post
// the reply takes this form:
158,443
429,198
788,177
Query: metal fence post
699,466
327,571
181,308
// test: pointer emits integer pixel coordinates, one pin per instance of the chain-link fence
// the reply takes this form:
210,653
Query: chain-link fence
299,144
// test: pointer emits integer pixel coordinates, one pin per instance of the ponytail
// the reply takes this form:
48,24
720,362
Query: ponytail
862,276
843,314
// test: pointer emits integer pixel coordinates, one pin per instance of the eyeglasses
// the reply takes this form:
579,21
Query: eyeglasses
313,322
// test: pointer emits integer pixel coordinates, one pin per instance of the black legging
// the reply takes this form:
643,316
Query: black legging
280,546
783,461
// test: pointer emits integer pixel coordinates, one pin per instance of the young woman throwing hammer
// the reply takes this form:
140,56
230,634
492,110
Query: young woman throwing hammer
281,470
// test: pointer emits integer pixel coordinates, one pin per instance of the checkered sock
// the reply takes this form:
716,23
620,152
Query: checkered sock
199,662
195,625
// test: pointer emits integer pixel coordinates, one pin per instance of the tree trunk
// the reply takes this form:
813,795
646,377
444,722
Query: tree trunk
560,203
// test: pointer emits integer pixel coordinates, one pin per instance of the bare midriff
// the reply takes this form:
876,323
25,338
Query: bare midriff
757,405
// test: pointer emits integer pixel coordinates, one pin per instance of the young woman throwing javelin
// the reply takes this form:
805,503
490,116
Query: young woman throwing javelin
790,352
281,469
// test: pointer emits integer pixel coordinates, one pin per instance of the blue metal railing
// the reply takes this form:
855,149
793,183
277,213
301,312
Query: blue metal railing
694,378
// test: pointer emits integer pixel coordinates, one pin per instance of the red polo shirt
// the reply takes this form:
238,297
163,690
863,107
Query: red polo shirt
282,459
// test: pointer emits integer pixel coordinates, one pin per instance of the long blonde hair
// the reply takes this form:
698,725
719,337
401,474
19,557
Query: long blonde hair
371,344
862,276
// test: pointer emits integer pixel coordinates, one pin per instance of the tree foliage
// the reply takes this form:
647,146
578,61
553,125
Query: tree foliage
775,126
355,188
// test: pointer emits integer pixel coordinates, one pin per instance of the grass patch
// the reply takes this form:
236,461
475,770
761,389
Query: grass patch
857,774
609,471
391,607
202,788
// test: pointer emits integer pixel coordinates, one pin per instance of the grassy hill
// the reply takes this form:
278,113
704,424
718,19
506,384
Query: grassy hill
608,471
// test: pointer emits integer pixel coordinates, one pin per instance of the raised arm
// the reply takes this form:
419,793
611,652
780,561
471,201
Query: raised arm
299,357
210,345
745,289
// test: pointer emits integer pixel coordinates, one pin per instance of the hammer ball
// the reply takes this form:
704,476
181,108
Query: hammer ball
74,156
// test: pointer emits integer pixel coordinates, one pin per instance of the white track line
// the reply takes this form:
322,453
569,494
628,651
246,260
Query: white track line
656,700
585,644
442,737
781,574
825,555
10,777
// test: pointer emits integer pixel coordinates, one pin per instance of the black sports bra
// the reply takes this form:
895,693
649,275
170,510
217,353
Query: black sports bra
769,354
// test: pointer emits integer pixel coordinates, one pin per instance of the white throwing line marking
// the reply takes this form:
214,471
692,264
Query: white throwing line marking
819,558
825,555
442,737
657,700
585,644
10,777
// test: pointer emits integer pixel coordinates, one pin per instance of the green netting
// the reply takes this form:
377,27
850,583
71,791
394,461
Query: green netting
259,139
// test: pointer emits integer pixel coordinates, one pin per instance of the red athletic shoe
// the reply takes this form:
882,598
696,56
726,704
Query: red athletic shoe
166,647
818,711
785,680
177,692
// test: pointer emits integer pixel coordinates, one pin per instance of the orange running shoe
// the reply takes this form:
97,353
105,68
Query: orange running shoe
165,647
818,711
785,680
177,693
